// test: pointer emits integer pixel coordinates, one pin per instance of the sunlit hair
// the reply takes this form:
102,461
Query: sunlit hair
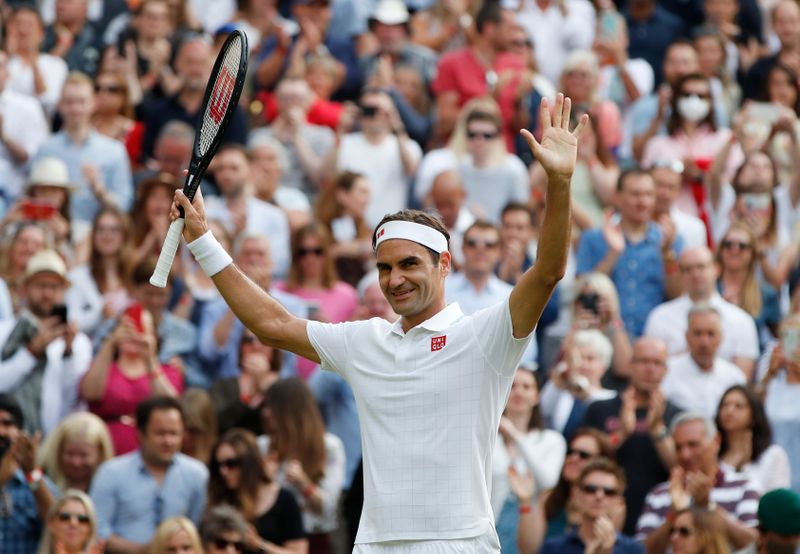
80,79
171,527
126,108
297,429
11,235
710,534
597,341
760,428
252,473
295,277
749,297
200,420
121,260
328,207
458,140
557,500
581,59
79,426
47,545
601,284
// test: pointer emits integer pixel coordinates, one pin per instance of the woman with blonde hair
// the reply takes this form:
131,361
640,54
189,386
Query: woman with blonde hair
697,531
74,450
176,535
200,423
71,526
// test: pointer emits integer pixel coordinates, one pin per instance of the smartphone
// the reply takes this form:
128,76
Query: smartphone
589,300
134,312
37,210
60,311
791,342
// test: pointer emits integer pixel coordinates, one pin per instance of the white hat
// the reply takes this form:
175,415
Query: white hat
46,261
51,172
391,12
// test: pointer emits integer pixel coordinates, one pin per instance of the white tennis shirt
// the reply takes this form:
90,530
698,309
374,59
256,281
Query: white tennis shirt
429,405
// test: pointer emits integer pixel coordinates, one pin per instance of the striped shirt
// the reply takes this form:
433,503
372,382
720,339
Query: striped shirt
733,492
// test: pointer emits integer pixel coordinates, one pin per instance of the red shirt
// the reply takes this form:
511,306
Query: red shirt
461,72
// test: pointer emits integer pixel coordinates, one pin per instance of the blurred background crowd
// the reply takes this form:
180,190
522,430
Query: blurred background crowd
657,410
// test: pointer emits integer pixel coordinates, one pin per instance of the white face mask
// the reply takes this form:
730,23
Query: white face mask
693,108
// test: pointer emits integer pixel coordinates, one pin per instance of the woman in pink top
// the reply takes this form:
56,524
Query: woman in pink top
125,372
312,277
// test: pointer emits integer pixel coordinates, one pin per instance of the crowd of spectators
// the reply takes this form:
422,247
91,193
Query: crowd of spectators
657,410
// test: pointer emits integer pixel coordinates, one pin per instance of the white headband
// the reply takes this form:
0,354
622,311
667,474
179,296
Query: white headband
416,232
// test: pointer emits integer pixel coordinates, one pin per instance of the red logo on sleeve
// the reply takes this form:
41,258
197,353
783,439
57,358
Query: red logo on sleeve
437,343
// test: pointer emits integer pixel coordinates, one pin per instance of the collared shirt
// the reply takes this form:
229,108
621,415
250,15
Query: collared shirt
571,543
130,503
691,388
638,273
429,402
732,492
459,289
20,524
111,159
670,320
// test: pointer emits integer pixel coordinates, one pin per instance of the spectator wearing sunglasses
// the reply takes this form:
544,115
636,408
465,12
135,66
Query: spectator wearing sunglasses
697,531
698,480
599,499
223,531
72,526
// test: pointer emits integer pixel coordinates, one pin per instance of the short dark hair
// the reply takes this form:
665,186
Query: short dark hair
604,465
759,423
220,520
480,115
490,12
9,404
482,224
153,404
519,207
416,216
635,171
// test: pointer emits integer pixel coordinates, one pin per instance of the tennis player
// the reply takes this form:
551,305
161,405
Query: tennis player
431,387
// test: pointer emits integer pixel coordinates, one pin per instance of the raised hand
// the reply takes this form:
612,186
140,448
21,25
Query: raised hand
558,150
522,485
612,233
195,214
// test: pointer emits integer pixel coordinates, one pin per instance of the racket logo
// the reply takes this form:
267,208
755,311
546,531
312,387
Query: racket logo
221,95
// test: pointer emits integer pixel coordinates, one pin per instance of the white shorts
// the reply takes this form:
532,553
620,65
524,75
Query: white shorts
483,544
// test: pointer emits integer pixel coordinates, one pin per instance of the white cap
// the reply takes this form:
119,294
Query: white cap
391,12
46,261
50,171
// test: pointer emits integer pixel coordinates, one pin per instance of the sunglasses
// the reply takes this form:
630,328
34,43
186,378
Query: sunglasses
735,245
68,516
113,89
594,489
306,251
582,454
223,544
230,463
369,111
699,95
472,135
682,531
474,243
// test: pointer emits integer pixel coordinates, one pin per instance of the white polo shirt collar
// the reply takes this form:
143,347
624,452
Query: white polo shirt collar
438,323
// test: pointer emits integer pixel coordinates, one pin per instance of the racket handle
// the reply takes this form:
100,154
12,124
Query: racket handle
165,259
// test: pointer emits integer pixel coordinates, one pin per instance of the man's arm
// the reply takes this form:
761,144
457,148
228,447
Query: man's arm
558,154
257,310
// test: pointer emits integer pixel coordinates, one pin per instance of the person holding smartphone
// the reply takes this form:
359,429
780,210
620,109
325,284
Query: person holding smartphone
42,354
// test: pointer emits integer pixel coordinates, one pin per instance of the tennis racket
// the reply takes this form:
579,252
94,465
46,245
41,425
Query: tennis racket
219,102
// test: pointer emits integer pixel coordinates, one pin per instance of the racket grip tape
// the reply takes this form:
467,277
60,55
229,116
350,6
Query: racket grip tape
167,256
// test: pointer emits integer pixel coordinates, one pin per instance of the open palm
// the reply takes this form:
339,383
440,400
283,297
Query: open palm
558,150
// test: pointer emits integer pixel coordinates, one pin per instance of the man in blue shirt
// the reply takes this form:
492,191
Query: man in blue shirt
638,254
135,492
599,500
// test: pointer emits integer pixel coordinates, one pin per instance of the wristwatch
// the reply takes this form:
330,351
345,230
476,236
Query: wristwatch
34,479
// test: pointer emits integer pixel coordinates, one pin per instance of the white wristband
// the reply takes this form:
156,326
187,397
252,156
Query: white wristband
210,254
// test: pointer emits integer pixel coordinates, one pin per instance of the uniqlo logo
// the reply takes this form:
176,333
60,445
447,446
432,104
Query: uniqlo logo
221,95
437,343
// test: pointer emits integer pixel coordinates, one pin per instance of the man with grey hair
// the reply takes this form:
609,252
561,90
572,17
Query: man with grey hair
697,379
220,332
307,145
667,321
698,480
171,154
223,527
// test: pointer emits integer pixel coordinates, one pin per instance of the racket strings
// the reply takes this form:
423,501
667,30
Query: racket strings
220,96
